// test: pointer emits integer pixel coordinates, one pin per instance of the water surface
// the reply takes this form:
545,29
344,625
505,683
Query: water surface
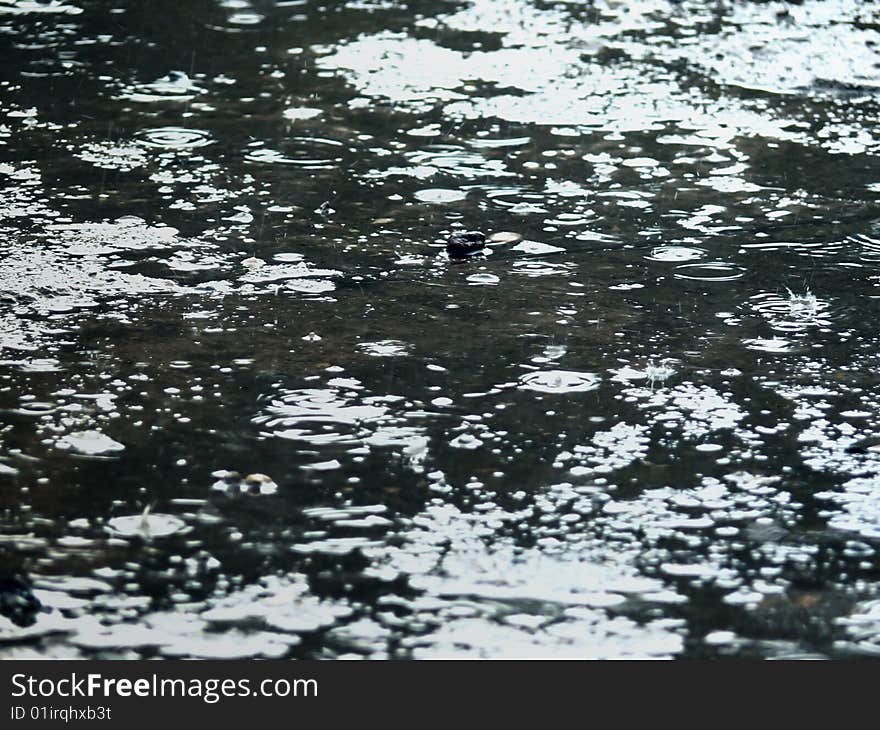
250,408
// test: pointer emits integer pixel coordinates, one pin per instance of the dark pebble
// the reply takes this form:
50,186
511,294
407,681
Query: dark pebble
462,244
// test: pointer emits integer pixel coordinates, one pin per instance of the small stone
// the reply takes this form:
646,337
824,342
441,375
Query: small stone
465,243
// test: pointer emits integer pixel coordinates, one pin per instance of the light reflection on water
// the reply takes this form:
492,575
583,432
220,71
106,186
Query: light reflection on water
252,409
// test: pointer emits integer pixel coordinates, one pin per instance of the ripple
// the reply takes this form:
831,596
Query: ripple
310,286
174,86
303,415
775,345
174,138
813,250
482,280
791,312
559,381
456,161
245,18
439,195
869,247
533,268
385,348
515,201
536,248
89,443
146,525
710,271
312,153
36,408
675,254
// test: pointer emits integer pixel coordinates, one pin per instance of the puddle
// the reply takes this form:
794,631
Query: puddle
644,426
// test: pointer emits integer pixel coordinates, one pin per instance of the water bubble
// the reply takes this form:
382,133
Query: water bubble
146,525
174,86
466,441
295,114
525,208
559,381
